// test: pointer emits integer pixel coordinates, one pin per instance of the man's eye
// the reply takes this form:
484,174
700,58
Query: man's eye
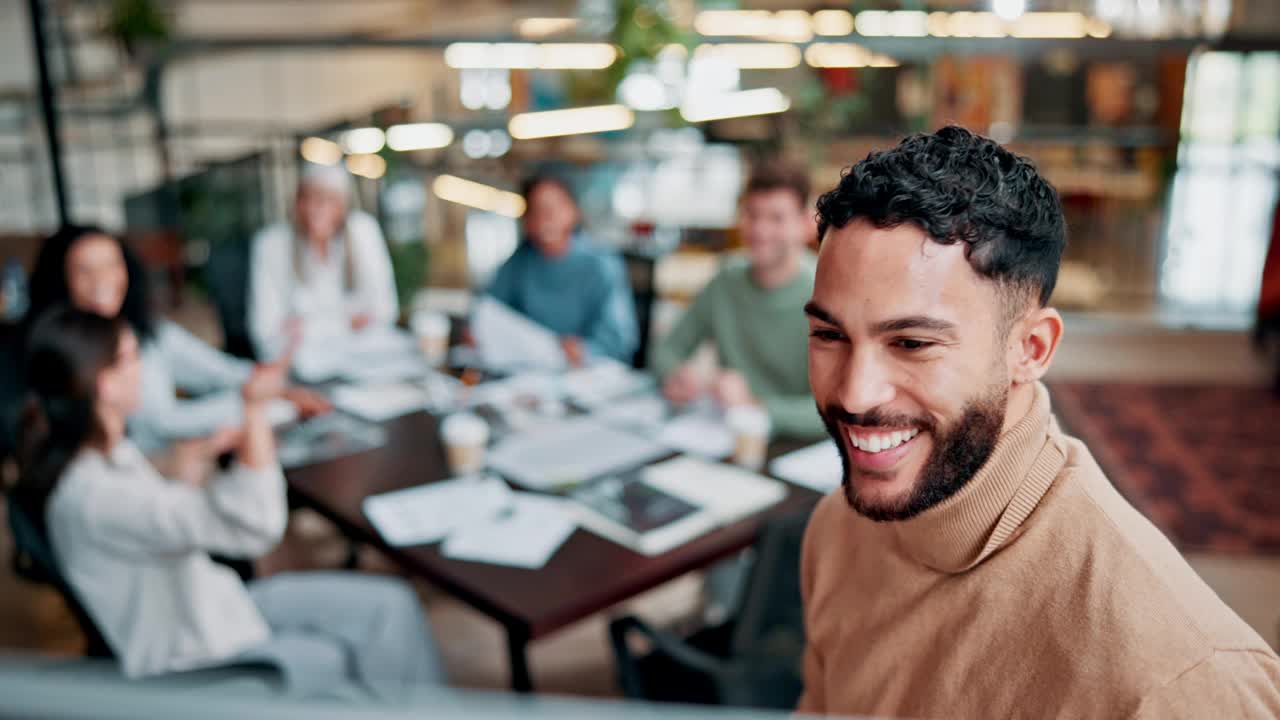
825,335
911,344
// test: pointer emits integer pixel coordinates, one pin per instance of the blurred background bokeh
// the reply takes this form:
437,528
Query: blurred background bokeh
182,126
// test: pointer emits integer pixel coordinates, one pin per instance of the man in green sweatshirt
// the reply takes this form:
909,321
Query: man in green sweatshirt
753,311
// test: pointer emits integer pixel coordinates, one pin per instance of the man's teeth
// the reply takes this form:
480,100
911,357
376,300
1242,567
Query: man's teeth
879,442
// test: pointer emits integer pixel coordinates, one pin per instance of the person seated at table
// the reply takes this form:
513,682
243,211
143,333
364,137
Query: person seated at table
134,546
92,270
323,278
752,311
559,279
979,563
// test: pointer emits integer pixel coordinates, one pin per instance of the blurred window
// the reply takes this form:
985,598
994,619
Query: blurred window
1225,189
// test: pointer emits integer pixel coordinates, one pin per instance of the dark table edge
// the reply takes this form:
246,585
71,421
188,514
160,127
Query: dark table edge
572,614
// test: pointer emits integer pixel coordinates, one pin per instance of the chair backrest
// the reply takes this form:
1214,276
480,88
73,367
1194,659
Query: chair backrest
640,273
11,387
35,561
768,635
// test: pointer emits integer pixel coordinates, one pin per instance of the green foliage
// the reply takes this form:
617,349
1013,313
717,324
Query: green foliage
642,30
409,263
133,22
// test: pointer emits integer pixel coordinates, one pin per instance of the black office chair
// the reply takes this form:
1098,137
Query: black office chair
33,559
227,277
640,273
753,660
11,387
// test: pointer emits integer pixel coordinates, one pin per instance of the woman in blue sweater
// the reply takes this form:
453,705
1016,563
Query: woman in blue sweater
560,280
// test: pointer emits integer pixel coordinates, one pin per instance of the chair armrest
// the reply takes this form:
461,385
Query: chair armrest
673,646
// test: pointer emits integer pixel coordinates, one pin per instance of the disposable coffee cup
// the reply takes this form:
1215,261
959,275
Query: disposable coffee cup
465,436
432,331
750,427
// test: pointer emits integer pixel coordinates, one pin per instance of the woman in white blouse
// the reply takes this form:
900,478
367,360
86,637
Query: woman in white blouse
322,279
134,547
92,270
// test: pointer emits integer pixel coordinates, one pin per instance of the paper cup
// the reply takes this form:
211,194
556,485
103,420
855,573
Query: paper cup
432,331
465,436
750,427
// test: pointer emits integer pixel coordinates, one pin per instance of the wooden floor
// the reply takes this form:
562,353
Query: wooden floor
577,661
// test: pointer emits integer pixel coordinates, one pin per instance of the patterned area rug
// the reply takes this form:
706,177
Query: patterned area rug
1202,462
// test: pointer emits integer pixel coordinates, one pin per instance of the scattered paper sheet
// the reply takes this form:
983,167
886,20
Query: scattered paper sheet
508,340
327,437
642,413
525,536
602,381
565,453
377,354
816,467
379,403
700,433
427,513
444,392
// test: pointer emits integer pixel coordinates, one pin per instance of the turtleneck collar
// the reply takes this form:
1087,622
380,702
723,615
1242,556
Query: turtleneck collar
966,528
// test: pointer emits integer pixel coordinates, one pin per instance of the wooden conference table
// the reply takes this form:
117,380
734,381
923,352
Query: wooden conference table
586,575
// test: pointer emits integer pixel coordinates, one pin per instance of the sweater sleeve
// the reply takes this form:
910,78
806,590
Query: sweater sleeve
689,332
1229,683
198,367
177,360
813,699
613,332
240,513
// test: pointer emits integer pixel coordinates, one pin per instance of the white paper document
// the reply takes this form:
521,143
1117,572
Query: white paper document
565,453
506,339
816,467
642,413
380,354
602,381
702,433
427,513
525,536
379,403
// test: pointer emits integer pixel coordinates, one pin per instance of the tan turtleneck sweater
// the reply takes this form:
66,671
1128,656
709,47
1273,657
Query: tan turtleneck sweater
1036,591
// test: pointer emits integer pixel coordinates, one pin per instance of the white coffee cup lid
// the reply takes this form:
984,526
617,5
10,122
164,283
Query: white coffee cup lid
430,323
748,419
465,428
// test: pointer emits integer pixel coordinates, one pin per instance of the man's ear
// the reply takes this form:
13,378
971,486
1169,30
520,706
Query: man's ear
1033,341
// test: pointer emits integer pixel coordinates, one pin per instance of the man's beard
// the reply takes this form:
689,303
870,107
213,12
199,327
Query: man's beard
959,451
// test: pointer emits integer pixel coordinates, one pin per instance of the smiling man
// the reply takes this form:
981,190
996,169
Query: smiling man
978,562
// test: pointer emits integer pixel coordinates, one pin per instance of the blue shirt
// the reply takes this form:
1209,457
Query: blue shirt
583,293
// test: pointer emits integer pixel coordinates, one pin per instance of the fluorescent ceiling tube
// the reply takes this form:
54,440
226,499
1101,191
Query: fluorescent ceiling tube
362,141
320,151
419,136
762,101
530,56
478,195
753,56
574,121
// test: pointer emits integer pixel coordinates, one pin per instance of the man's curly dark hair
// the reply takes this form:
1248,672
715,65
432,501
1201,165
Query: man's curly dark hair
960,187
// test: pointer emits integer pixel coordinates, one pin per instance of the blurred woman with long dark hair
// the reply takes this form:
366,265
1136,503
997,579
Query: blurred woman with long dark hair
94,271
134,546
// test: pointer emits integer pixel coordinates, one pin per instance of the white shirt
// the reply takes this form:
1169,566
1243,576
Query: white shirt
173,360
317,294
135,549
